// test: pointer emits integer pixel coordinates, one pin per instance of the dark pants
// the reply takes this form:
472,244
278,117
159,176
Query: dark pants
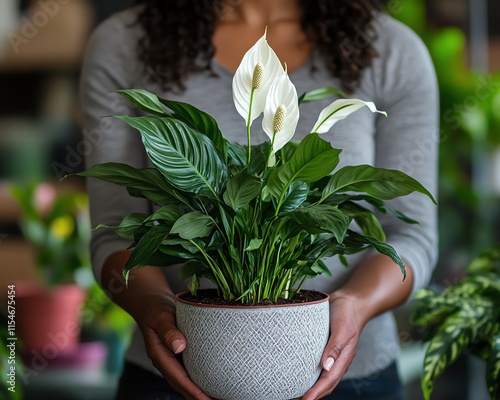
138,384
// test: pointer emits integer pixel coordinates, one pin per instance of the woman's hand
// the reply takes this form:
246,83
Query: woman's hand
346,326
149,300
373,288
163,342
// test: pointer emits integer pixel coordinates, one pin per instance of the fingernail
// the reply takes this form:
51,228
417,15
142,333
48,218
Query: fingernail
329,363
176,346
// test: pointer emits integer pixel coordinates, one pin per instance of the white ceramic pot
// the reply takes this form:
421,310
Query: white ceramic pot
254,353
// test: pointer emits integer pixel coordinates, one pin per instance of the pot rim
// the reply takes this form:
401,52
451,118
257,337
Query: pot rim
248,307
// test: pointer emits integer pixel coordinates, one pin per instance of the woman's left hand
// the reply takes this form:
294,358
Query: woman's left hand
346,325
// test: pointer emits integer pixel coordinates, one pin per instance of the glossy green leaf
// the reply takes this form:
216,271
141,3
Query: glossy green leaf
320,94
237,154
321,268
169,214
258,160
147,182
241,190
128,225
354,239
184,243
187,159
145,101
177,252
338,199
313,159
160,259
322,218
295,196
193,225
148,245
216,241
366,220
254,245
200,121
381,183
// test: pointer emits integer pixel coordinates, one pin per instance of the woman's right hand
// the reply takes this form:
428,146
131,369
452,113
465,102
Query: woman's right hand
147,297
163,342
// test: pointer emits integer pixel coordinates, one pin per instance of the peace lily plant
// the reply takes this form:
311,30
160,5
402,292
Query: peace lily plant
256,220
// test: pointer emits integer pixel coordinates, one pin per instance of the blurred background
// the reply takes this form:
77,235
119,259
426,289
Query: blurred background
44,227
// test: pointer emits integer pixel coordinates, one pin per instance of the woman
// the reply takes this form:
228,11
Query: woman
188,51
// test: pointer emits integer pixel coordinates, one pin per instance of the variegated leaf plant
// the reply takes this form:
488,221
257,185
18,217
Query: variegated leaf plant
465,318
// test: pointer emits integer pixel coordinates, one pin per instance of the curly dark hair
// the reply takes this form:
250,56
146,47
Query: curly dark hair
179,32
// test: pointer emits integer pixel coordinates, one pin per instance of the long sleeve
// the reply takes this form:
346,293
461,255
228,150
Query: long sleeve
408,140
110,64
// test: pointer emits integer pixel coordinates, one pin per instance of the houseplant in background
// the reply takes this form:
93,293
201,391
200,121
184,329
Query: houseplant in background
48,311
104,321
257,221
465,318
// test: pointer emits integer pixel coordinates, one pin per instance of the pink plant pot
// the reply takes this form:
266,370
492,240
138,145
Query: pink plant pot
48,320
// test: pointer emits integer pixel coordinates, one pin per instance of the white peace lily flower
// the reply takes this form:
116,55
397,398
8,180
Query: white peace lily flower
253,78
281,114
339,110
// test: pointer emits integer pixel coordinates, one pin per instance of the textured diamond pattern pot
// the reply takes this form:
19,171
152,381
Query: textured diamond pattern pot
254,353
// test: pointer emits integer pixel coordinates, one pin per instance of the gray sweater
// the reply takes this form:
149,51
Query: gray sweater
401,82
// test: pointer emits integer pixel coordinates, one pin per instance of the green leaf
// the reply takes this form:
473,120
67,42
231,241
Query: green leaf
194,285
187,159
343,260
322,218
366,220
160,259
193,225
338,199
169,213
258,160
487,261
216,241
378,182
235,255
128,225
288,150
295,196
313,159
354,239
177,252
320,268
185,244
200,121
241,190
145,101
254,244
493,368
453,338
147,182
148,244
320,94
192,268
237,154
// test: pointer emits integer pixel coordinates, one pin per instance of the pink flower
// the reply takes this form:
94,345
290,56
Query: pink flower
45,195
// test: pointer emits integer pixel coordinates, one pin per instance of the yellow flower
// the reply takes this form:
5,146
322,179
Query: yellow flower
62,227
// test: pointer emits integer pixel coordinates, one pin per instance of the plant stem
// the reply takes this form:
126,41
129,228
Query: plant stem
270,153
